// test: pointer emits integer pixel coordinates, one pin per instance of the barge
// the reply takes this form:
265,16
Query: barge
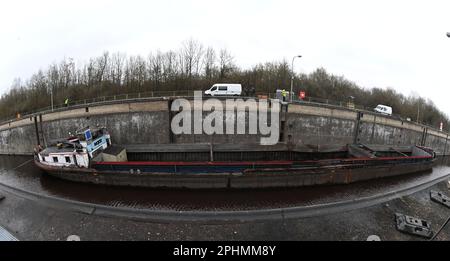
89,156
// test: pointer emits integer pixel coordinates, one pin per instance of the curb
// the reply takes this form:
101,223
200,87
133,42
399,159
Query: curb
166,216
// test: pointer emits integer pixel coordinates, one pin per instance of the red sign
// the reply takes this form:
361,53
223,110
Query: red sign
302,95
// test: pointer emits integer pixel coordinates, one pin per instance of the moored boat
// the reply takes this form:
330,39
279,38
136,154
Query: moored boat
89,156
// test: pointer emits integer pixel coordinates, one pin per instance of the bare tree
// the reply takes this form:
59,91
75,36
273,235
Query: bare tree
141,71
192,55
117,63
53,78
67,73
102,64
210,63
155,65
192,65
170,66
90,72
225,63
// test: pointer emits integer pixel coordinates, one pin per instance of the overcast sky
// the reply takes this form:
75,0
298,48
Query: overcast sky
398,44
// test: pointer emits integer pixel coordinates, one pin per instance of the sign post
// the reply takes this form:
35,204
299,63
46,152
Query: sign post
302,95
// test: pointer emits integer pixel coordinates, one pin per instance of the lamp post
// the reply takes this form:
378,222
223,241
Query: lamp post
292,78
51,95
418,110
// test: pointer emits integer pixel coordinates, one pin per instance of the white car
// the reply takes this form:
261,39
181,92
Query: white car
224,89
383,109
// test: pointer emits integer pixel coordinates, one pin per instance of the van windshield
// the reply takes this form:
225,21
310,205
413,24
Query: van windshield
214,88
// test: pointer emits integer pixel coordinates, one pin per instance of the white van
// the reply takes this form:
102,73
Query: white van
226,89
383,109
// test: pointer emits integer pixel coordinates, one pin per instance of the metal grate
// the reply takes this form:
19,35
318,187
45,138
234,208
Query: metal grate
6,236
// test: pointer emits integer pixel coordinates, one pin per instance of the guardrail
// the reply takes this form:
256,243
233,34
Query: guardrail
102,99
172,94
348,105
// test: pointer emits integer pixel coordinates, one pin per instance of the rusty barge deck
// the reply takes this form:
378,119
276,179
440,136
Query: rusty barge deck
245,168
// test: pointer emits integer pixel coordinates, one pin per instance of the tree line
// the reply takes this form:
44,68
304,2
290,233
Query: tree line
195,67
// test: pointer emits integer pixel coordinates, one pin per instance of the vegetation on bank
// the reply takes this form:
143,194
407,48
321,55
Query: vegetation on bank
195,67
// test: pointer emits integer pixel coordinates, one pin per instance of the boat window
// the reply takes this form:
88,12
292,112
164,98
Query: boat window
67,159
55,159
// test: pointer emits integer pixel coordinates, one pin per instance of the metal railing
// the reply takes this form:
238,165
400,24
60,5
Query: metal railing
348,105
174,94
102,99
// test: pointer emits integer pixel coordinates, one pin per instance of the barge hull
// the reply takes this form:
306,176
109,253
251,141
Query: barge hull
261,178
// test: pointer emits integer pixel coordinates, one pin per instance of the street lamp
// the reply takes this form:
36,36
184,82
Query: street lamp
418,110
51,94
292,78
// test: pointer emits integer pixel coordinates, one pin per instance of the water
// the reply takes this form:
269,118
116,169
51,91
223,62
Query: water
20,172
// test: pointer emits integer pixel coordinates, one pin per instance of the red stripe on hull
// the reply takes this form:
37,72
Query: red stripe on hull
250,163
202,163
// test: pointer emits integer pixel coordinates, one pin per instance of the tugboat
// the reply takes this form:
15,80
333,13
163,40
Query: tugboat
89,156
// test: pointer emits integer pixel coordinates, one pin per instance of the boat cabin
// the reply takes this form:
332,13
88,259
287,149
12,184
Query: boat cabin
76,151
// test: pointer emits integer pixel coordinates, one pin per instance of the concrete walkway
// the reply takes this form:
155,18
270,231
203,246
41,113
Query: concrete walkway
30,219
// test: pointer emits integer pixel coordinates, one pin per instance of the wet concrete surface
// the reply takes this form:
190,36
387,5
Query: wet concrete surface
20,172
30,219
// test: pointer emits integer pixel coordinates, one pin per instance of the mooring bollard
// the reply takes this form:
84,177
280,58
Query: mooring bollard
373,238
73,238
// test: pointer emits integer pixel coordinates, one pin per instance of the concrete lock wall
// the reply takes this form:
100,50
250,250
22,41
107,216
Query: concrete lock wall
321,126
308,127
227,119
137,122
